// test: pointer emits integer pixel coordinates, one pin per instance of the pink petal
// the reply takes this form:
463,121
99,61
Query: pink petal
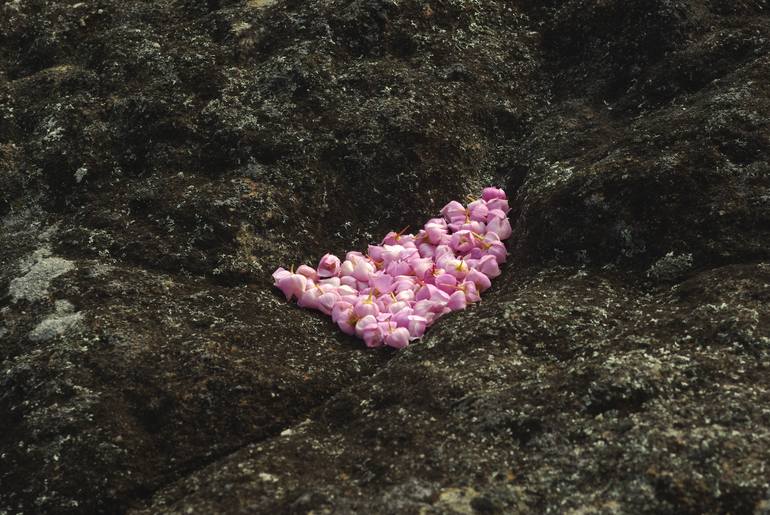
481,281
488,266
365,308
457,301
446,282
462,242
279,274
293,285
347,268
492,193
307,271
478,211
499,224
453,210
470,290
342,311
362,270
497,249
329,266
417,325
326,302
500,204
398,338
309,299
375,252
346,327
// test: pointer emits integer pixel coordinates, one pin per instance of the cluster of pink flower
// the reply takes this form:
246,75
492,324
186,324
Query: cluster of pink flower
394,292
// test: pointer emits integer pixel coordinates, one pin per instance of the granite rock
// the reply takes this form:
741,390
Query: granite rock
159,159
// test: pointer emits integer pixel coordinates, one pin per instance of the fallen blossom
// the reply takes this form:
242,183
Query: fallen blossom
394,292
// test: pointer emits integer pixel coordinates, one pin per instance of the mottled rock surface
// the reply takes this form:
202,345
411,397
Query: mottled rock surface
159,159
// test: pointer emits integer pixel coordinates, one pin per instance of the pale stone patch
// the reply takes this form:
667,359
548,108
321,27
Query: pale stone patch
60,322
261,4
41,269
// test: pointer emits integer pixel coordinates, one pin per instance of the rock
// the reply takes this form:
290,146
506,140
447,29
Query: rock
669,268
33,285
62,321
159,159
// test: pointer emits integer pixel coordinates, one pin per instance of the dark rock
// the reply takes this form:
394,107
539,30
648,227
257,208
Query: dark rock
482,504
159,159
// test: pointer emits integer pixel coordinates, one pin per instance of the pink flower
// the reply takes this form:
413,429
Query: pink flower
404,283
307,271
362,270
417,326
382,282
489,244
397,338
478,211
422,266
402,286
453,211
457,267
434,232
348,323
397,306
331,281
365,307
309,299
399,268
292,285
457,301
462,242
349,281
446,282
401,318
364,322
383,305
342,310
326,302
492,193
435,306
497,249
405,295
500,204
481,281
468,225
329,266
348,294
347,268
488,266
375,252
431,292
440,221
426,250
393,238
470,290
279,274
354,256
499,224
409,253
391,253
368,329
443,249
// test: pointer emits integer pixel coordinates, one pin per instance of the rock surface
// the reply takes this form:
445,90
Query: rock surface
159,159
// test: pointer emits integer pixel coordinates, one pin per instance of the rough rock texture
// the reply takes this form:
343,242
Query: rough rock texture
159,159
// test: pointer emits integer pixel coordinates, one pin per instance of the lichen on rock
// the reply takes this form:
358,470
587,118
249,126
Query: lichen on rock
41,269
62,321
